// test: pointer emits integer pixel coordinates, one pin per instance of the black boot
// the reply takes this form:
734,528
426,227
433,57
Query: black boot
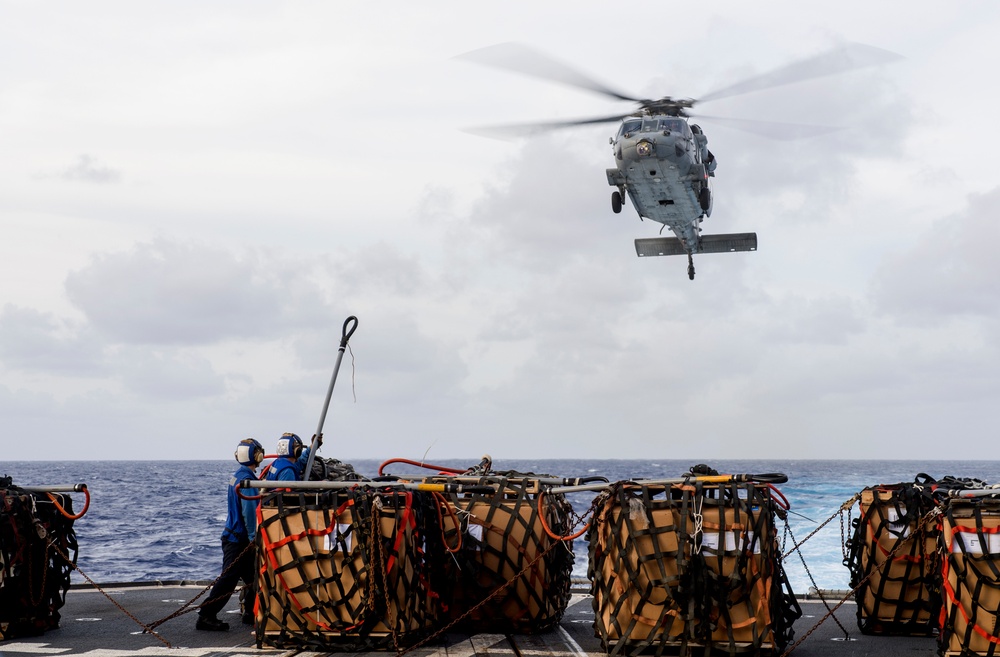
211,624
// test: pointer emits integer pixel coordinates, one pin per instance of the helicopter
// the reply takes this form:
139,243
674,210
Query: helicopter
662,162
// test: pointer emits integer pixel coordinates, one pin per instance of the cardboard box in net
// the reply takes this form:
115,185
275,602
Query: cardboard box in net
635,569
316,576
896,593
644,562
970,579
503,543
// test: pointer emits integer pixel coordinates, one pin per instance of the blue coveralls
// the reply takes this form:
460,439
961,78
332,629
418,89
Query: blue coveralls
237,560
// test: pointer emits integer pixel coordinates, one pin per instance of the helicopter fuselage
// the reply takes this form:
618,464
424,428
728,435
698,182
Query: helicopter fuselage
663,165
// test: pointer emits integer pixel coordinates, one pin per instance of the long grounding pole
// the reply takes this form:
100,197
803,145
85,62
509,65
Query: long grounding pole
346,335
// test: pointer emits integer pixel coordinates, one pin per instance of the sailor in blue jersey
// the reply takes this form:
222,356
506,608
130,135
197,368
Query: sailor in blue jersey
237,538
292,459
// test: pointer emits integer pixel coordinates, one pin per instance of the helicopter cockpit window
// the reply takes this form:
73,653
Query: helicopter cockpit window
648,125
675,126
630,126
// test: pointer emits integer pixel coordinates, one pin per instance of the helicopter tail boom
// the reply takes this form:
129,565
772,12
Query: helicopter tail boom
722,243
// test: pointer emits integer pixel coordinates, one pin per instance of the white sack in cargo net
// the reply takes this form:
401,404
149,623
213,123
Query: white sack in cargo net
674,567
508,575
346,570
892,556
970,577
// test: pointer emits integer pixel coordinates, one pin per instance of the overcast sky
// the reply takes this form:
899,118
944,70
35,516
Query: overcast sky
194,196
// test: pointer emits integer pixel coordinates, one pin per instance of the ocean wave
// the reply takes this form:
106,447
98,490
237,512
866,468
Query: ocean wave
159,520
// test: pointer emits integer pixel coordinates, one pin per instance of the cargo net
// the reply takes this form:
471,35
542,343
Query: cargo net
333,470
893,559
508,574
345,570
970,576
34,576
695,565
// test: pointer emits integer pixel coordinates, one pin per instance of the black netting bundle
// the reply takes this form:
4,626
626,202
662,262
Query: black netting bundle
333,470
674,567
893,560
507,573
970,576
346,570
34,576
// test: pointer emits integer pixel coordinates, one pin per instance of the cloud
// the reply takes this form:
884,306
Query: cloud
170,374
165,292
379,267
816,321
808,178
86,170
950,271
548,205
33,340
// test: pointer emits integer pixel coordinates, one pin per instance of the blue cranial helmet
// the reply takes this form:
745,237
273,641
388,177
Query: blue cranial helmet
249,452
290,445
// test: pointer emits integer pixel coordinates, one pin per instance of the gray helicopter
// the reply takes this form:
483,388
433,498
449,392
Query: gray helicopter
662,161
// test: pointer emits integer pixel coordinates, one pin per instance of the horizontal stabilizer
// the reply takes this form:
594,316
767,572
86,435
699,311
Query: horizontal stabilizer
658,246
728,243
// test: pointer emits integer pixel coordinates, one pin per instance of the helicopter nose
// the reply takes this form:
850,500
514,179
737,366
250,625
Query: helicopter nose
680,147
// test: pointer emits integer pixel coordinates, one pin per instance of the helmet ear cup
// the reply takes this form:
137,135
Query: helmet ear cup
290,445
249,452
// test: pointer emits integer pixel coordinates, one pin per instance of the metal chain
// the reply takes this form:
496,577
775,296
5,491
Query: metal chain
496,592
846,505
383,569
146,628
503,587
578,519
377,566
816,586
186,607
843,533
372,552
933,513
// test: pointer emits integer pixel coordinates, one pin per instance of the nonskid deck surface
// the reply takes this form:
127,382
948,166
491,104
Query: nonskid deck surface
92,625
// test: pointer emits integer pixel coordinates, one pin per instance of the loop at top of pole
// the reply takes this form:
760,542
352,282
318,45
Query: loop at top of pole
348,333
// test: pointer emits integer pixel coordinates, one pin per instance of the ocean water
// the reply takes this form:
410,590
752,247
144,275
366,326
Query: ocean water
162,520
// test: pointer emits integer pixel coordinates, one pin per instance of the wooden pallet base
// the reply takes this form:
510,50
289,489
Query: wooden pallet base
675,647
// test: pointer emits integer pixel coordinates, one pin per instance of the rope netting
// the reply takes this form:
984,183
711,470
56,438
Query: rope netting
686,565
345,570
34,578
925,559
495,536
377,566
897,594
970,577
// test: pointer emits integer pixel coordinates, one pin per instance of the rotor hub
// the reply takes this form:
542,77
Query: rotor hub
669,106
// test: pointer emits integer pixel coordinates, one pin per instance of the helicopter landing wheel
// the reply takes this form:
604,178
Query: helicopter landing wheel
690,267
616,202
705,199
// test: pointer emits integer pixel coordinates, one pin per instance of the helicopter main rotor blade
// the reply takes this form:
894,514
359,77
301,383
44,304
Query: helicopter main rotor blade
514,130
772,129
849,57
519,58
